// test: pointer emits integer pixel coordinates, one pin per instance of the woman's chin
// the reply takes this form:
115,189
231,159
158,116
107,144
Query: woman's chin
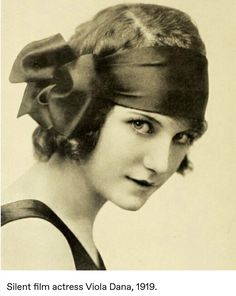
133,203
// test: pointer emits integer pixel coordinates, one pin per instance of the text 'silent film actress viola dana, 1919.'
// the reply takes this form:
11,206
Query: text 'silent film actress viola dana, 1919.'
118,107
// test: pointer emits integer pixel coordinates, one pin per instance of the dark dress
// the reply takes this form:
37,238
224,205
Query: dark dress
30,208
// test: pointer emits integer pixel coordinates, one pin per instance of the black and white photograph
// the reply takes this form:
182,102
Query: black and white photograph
118,135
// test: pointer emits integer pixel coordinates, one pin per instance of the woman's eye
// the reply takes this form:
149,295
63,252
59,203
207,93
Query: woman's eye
184,139
142,126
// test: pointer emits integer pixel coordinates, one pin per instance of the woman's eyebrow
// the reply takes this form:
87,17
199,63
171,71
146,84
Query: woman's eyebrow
154,120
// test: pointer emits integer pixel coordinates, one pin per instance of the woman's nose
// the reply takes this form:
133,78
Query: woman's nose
157,155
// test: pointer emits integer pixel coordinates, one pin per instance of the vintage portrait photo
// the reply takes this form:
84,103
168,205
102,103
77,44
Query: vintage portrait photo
118,135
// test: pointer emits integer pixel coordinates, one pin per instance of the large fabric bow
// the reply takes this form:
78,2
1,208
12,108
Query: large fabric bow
58,83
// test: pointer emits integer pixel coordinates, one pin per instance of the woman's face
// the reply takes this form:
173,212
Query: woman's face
136,154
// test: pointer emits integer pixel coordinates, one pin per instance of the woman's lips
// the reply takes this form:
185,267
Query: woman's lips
143,183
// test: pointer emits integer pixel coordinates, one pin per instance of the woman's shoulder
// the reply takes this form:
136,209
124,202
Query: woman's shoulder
34,243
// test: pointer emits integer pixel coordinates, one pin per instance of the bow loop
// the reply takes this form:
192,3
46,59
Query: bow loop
38,60
43,95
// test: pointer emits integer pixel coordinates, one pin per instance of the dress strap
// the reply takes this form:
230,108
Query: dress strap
31,208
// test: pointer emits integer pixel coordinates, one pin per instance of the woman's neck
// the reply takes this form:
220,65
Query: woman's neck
61,185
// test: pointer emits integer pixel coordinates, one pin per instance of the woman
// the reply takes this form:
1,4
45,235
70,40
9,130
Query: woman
118,108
